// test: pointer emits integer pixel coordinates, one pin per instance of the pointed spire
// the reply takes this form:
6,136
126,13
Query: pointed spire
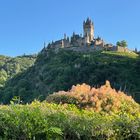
88,21
73,33
65,36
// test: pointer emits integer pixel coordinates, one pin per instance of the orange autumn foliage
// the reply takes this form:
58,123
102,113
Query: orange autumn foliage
98,99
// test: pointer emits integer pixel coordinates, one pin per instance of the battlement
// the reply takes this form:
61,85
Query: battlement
88,22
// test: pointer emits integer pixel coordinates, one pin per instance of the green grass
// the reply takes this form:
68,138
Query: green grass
125,54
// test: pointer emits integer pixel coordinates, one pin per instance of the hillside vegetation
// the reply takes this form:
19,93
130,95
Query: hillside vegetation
101,116
103,99
9,66
55,71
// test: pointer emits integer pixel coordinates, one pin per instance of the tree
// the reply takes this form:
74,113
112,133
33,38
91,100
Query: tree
3,77
122,43
118,43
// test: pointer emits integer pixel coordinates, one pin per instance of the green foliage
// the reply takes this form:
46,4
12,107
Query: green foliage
15,100
9,66
55,71
122,43
3,77
25,122
65,122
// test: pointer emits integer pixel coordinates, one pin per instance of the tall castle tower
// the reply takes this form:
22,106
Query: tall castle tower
88,30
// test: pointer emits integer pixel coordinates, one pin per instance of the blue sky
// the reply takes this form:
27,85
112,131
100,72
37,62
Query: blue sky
26,24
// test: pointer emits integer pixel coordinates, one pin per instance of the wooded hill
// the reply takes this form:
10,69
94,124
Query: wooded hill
53,72
10,66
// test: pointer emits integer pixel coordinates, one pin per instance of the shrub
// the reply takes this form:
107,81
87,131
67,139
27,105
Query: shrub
65,122
25,122
103,99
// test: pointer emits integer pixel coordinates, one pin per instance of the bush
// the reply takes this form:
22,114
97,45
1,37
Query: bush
65,122
25,122
103,99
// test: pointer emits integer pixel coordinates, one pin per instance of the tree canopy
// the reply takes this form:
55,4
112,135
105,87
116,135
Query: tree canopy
54,71
122,43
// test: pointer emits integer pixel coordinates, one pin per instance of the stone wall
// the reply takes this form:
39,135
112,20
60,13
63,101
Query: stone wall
121,49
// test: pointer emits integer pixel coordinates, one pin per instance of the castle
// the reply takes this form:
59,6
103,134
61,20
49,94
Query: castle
87,41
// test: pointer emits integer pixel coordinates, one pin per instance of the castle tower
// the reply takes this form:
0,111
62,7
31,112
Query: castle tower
86,39
88,29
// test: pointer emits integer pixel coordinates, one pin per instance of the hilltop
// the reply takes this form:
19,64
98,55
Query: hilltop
70,61
87,41
54,71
